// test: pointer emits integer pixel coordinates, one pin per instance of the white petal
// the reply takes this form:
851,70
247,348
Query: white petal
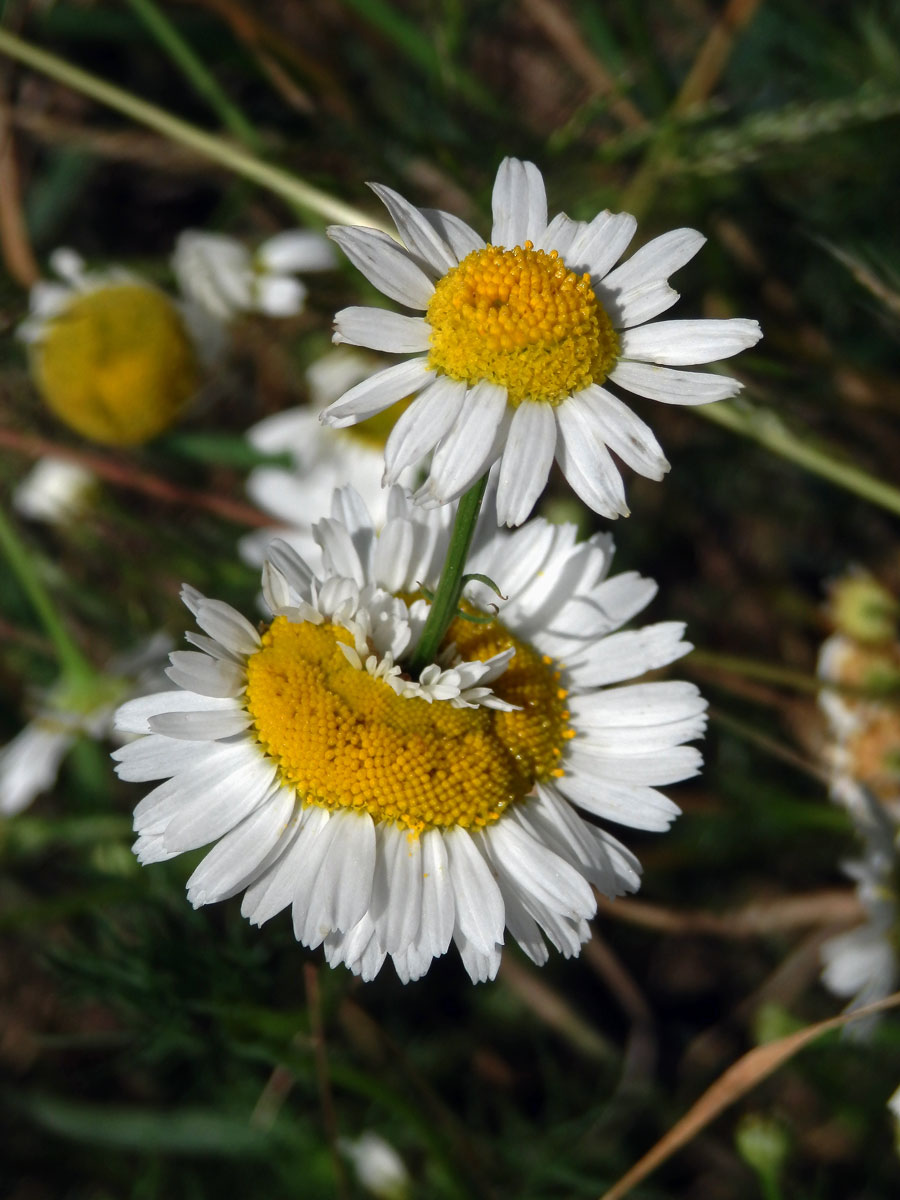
559,235
199,673
417,231
396,906
422,425
527,459
393,554
627,804
379,329
227,626
134,715
378,392
296,250
673,387
339,554
479,905
539,871
231,864
601,243
279,295
273,890
343,886
158,757
206,816
659,259
586,463
201,726
629,654
29,765
385,264
623,431
464,454
680,343
459,236
519,204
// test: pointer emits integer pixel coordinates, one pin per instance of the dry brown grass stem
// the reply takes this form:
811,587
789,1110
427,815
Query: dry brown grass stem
124,474
14,241
553,1010
759,918
749,1070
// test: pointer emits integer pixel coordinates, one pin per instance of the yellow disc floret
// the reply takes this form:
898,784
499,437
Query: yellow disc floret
344,739
520,318
117,364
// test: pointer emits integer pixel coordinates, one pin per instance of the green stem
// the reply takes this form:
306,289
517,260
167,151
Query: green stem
766,428
449,588
275,179
750,668
72,662
194,69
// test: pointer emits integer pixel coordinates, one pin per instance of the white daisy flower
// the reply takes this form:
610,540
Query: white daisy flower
321,459
30,762
113,356
862,963
55,490
378,1166
220,275
518,342
396,816
863,731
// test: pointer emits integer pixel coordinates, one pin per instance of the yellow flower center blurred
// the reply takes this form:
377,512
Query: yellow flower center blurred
344,739
374,431
520,318
117,364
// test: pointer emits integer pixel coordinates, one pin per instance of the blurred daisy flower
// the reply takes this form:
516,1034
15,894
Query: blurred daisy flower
73,708
518,342
378,1166
55,490
862,660
112,356
396,815
221,276
862,964
321,460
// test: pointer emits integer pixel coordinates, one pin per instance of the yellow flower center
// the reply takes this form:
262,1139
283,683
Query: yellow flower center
344,739
117,364
374,431
522,319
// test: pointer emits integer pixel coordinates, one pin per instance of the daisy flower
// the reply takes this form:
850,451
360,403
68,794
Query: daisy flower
113,357
321,459
30,762
394,815
520,341
862,963
221,276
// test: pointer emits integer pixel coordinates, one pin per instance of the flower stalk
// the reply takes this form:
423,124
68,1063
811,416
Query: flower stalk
72,662
450,586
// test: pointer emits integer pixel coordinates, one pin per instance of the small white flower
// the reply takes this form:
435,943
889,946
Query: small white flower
321,459
379,1168
518,342
30,762
55,490
392,822
221,276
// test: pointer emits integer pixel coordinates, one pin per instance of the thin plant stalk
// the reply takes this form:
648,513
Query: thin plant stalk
234,158
765,427
72,662
445,601
195,71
